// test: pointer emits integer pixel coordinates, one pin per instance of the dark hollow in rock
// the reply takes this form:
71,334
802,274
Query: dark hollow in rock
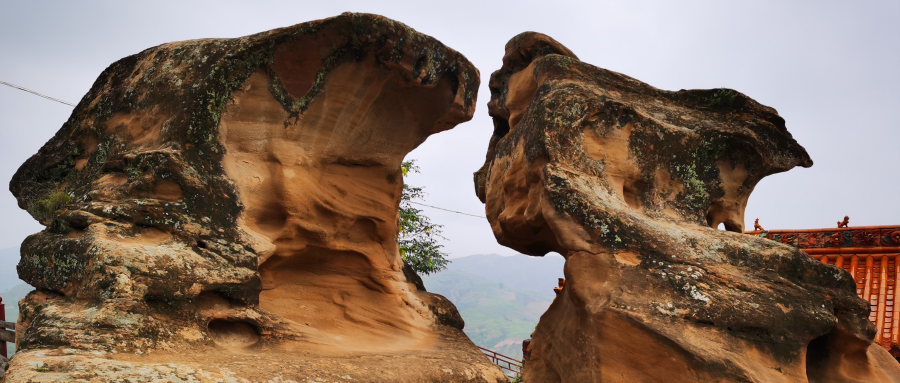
232,334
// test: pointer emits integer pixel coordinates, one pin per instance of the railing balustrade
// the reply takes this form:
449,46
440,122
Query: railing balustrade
7,329
506,363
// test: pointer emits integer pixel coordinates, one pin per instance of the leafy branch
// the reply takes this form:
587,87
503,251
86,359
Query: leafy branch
418,236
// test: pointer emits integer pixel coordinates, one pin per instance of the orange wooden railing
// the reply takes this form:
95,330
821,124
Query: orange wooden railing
509,364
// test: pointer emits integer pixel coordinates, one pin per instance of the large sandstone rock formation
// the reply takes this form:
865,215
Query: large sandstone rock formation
629,183
228,209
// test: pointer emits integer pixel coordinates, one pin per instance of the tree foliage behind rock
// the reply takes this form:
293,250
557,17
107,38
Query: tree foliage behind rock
418,235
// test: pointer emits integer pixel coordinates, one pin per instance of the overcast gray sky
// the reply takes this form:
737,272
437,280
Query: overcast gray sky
831,69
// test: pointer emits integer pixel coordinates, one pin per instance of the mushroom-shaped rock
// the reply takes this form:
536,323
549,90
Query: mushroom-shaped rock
228,209
629,183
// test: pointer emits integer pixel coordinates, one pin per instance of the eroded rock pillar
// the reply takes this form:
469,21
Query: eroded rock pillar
228,209
628,183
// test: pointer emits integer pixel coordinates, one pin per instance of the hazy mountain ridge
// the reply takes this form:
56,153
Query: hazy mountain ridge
9,258
12,289
517,272
11,299
500,298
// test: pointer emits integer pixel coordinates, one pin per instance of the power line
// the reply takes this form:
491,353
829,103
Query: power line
452,211
36,93
70,104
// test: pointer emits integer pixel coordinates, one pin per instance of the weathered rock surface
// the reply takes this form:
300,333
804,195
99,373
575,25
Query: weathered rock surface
629,183
228,209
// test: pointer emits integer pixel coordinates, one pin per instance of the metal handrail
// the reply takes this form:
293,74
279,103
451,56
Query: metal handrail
505,362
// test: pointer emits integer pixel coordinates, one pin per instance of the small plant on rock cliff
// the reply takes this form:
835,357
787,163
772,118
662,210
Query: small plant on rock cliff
722,97
44,209
418,235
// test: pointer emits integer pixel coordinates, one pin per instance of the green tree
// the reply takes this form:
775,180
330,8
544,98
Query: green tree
419,236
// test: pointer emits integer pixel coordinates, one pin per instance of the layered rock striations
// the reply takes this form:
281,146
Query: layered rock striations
228,209
629,183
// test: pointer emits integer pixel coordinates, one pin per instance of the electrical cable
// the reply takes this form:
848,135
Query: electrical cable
452,211
36,93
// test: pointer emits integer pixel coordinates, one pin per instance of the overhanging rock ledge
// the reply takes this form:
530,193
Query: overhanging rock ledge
228,209
629,183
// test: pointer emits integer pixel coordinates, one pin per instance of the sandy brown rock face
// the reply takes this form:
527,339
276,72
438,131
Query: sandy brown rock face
629,183
228,208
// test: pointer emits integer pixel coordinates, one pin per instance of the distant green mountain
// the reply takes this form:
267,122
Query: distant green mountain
9,258
11,287
11,299
519,271
500,298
